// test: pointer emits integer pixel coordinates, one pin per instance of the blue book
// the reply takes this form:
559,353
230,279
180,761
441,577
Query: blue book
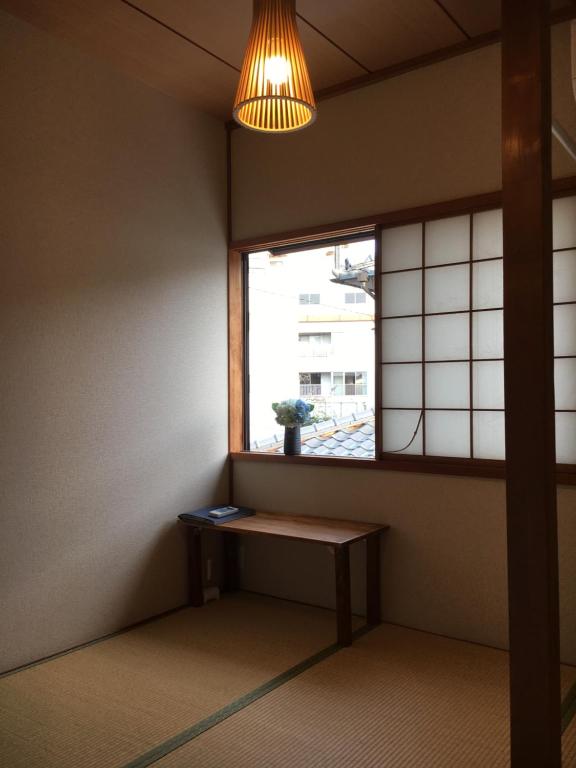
203,516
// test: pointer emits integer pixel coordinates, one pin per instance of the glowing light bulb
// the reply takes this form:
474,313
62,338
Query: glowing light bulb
277,70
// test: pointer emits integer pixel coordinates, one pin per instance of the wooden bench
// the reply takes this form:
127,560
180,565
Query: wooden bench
338,535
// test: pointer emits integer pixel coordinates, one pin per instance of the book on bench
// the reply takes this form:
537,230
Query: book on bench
203,515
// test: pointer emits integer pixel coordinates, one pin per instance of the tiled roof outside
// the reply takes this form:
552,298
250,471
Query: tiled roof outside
351,436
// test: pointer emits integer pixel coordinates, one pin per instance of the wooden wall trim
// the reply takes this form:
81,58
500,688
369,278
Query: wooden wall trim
535,718
235,353
565,474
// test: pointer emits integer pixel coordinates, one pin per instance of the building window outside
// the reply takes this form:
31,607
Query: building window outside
315,338
350,383
309,298
310,384
355,298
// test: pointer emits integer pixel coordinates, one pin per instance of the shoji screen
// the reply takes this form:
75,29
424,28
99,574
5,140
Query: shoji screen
442,335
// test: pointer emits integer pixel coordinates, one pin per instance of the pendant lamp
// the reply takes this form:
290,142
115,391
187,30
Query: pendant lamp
274,93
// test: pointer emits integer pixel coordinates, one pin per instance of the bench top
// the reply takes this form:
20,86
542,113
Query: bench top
300,527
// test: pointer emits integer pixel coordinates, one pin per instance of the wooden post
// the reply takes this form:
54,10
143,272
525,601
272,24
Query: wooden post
529,386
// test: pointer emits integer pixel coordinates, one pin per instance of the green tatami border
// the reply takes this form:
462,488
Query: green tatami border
182,738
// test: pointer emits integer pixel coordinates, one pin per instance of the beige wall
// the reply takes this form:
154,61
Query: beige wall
428,136
444,560
113,342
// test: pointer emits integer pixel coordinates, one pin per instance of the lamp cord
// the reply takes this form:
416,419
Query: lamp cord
399,450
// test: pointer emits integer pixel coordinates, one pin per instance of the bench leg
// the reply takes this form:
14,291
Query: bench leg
373,579
343,606
230,561
195,586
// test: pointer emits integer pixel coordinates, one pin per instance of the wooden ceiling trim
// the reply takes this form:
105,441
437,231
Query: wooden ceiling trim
332,42
382,33
176,32
466,46
452,19
474,43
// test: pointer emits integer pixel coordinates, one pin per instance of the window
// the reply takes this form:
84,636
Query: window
310,384
305,340
355,298
428,372
350,383
442,336
315,338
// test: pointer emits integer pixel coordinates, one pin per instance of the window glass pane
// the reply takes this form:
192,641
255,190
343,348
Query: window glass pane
565,383
487,235
402,247
402,294
565,330
447,288
489,440
565,276
448,433
447,240
564,222
359,297
361,383
402,386
303,338
566,438
402,340
398,428
488,384
447,385
487,285
447,337
337,384
488,334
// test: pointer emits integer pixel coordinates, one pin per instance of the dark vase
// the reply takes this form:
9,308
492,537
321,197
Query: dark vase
292,444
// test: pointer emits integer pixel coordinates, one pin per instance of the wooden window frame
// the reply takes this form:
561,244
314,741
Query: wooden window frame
237,340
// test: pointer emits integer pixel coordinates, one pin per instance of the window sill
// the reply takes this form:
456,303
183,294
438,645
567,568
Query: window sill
565,473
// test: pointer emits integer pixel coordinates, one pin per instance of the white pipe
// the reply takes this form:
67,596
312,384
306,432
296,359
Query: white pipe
564,138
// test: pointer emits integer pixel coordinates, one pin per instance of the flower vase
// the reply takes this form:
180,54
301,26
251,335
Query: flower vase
292,444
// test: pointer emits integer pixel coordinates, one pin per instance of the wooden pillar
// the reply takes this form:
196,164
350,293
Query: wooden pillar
529,386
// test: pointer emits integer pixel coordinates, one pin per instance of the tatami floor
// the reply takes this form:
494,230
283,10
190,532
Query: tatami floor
252,681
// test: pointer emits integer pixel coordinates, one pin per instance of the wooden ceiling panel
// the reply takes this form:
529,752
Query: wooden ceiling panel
137,46
475,16
378,33
222,27
480,16
193,49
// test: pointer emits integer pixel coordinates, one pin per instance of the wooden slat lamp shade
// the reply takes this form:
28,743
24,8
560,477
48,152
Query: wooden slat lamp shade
274,93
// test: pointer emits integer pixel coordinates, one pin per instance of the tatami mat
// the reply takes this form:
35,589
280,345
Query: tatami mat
106,704
569,745
396,699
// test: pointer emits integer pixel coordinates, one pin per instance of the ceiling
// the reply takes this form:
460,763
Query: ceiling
192,49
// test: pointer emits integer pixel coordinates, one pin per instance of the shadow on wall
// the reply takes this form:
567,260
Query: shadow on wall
158,581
